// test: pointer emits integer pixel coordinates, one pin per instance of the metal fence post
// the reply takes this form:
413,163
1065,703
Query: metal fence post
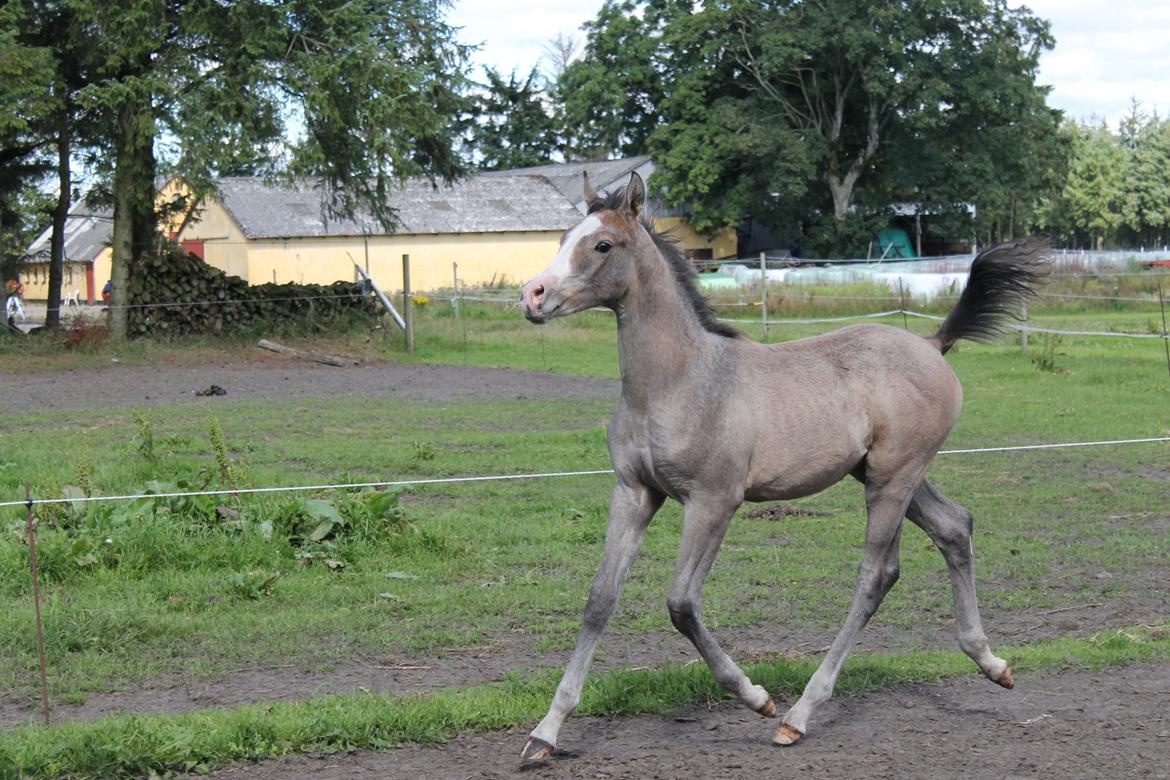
407,304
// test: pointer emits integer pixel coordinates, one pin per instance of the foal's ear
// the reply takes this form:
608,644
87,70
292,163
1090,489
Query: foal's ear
635,194
591,197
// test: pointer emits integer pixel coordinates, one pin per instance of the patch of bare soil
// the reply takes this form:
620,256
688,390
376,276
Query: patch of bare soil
784,511
516,653
1063,724
120,386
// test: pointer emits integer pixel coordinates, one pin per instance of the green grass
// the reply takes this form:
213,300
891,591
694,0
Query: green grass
160,588
138,745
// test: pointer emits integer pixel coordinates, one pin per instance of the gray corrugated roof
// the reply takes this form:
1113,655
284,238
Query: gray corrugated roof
566,177
480,204
87,232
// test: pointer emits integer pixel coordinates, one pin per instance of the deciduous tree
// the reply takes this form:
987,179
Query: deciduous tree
817,113
356,94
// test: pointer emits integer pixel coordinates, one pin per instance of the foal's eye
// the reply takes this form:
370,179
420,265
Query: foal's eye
603,247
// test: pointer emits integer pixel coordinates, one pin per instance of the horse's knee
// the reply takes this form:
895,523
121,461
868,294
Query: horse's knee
684,613
879,576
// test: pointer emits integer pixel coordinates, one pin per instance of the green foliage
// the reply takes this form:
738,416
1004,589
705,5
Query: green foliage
144,437
613,94
360,95
1090,204
1146,201
1115,192
29,95
511,128
795,112
1045,358
83,474
227,471
253,585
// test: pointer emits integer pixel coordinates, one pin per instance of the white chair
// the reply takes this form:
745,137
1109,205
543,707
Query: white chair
72,298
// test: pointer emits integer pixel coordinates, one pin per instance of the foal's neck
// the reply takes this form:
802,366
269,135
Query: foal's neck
660,336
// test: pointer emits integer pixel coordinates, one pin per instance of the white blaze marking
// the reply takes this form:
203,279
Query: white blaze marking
560,266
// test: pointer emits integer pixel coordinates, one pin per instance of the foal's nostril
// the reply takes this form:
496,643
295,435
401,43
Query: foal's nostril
538,291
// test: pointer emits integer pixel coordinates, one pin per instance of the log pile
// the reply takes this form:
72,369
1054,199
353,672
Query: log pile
176,293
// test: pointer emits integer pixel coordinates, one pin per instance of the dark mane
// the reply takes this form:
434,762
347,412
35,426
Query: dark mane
681,269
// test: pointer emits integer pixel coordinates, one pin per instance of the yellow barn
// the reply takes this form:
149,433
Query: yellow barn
87,256
501,227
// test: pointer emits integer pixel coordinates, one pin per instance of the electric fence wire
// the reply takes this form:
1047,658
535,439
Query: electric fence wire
31,502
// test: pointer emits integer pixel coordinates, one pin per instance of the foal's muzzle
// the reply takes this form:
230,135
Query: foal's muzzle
532,299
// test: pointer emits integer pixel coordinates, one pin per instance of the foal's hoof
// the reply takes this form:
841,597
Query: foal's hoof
536,749
1006,679
769,709
787,735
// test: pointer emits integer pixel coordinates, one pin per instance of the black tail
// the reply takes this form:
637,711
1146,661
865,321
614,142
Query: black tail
1002,277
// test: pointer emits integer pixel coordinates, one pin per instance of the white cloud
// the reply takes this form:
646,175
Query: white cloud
1106,55
512,33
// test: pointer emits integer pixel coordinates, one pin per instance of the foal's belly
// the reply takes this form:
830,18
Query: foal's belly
802,459
798,482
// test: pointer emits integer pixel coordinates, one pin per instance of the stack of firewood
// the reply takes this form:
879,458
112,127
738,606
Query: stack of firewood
176,293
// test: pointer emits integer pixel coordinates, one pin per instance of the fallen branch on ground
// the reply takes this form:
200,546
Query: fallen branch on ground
316,357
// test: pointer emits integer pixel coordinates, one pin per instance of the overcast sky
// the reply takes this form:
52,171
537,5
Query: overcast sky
1106,52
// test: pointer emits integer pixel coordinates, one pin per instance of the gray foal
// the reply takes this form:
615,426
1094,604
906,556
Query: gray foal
712,419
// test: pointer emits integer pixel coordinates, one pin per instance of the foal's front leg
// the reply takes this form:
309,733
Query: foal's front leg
630,511
704,525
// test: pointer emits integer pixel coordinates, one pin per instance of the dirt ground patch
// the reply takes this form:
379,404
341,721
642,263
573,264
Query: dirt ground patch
1066,724
515,652
267,379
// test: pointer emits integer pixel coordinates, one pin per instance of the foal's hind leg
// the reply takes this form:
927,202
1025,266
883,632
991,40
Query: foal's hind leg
886,505
705,522
949,526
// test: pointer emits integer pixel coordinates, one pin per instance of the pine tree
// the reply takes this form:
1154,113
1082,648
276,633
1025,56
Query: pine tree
513,126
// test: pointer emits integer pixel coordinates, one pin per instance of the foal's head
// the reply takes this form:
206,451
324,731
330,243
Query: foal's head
596,258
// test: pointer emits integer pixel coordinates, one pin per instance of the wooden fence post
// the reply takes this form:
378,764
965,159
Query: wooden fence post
764,284
1024,333
40,626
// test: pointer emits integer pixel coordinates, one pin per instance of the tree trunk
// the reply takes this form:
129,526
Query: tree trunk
121,243
842,187
134,215
60,215
842,192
